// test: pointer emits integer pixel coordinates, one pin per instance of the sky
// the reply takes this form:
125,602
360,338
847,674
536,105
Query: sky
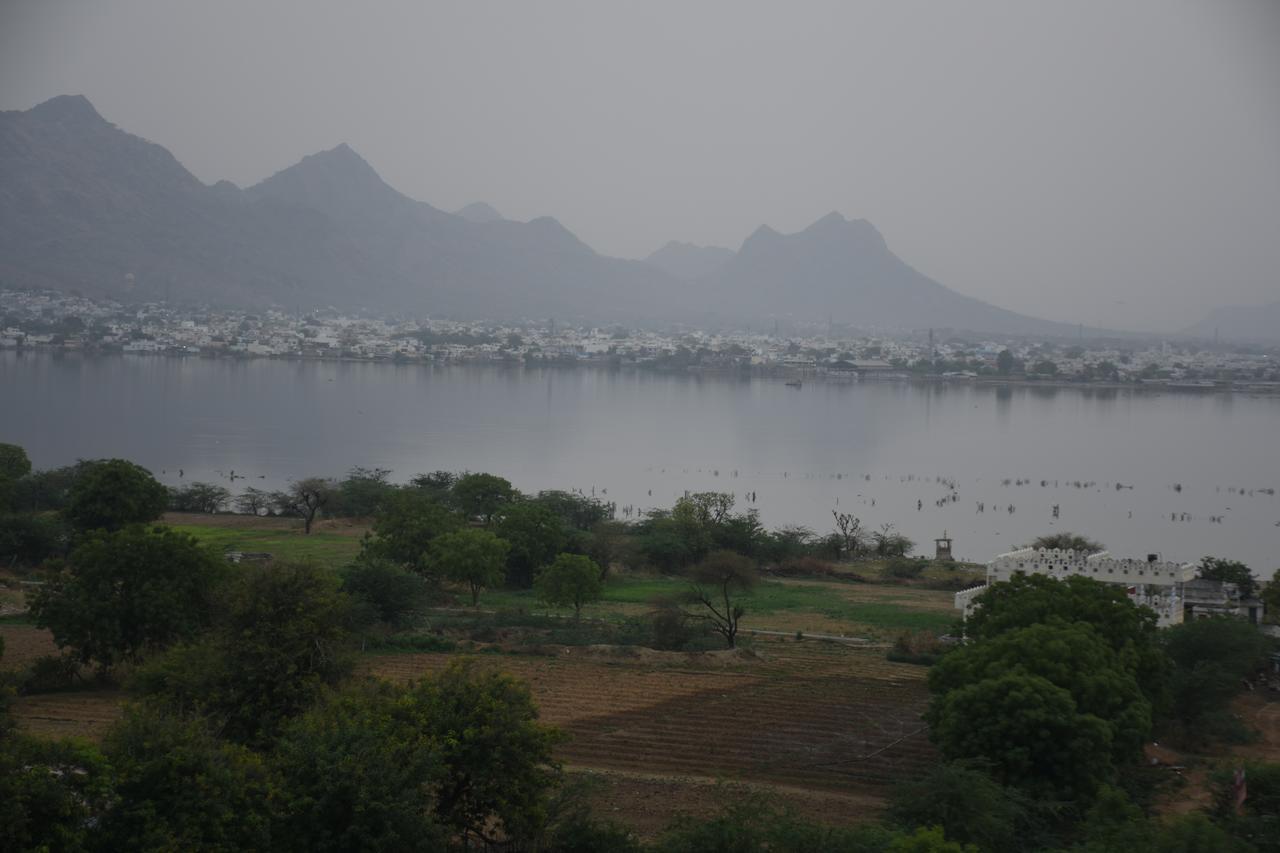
1108,162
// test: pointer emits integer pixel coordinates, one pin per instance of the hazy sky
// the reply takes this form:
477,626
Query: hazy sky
1111,162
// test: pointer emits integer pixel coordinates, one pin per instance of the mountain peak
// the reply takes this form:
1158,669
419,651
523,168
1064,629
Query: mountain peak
480,212
68,108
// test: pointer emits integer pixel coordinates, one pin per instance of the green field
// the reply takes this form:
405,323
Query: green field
322,547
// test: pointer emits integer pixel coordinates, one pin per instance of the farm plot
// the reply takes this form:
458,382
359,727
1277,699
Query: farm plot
24,643
86,714
806,715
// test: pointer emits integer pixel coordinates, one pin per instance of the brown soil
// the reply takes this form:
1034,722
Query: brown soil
23,644
86,714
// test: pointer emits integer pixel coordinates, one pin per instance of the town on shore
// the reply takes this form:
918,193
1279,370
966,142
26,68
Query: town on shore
45,320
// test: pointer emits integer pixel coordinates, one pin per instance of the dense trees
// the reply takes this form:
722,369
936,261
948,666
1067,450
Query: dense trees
127,593
535,534
404,529
14,465
113,493
1067,542
1027,600
1229,571
199,497
482,497
1074,681
1210,658
279,641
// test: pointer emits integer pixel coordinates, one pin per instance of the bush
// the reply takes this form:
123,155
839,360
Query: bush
29,540
903,568
918,647
804,567
49,673
394,595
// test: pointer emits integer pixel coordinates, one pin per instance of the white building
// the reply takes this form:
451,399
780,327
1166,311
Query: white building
1152,582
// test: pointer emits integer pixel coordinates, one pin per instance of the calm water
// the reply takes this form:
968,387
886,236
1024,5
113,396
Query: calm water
642,440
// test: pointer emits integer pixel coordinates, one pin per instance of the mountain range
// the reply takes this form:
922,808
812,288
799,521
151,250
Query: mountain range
88,207
1258,323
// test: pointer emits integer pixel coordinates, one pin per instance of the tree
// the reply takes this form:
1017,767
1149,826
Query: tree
129,592
1067,542
498,767
406,525
1044,367
363,492
967,804
1031,731
1026,600
536,534
853,538
1071,656
1229,571
1211,657
178,787
889,543
357,772
396,595
304,499
929,840
52,793
483,496
1005,362
570,581
14,465
473,557
718,584
578,511
200,497
1270,596
253,501
279,643
30,539
113,493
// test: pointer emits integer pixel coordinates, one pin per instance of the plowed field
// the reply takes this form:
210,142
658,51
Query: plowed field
804,714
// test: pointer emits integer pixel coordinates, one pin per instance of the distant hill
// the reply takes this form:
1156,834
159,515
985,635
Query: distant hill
1259,323
843,269
689,262
87,207
478,211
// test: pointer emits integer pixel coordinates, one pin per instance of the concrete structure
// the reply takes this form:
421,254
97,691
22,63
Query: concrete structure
1152,582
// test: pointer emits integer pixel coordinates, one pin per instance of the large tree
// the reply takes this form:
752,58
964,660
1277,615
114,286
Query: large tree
280,641
1066,541
305,499
404,528
472,557
179,787
1071,656
129,592
1026,600
1030,729
1229,571
571,580
483,497
113,493
14,465
718,585
536,534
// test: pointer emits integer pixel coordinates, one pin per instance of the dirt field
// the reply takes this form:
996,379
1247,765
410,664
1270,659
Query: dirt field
24,643
807,715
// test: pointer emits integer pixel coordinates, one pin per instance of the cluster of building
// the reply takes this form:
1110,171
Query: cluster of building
59,321
1171,589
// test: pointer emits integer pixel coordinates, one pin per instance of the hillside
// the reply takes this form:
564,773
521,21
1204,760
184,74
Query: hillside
87,207
1259,323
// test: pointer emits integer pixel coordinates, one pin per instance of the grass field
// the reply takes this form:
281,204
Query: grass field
329,544
872,610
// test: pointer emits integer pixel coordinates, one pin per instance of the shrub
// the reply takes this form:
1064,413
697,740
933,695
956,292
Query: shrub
903,568
802,567
49,673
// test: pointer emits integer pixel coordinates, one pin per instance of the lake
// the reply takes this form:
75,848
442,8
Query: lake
987,464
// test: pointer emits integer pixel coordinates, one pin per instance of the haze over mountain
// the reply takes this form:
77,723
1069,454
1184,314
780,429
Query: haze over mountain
86,206
479,211
689,262
1260,323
